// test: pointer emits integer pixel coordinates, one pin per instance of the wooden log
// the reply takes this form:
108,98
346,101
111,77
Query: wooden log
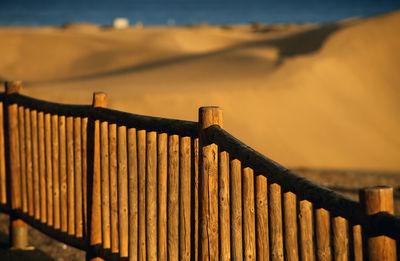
340,239
70,175
42,168
18,228
3,188
162,168
141,145
14,148
99,100
112,137
236,205
357,243
35,165
290,226
375,200
49,169
262,218
195,198
209,231
133,194
63,173
122,193
22,153
84,172
306,230
105,185
56,171
151,196
78,177
29,166
224,209
249,227
275,222
323,234
173,197
185,199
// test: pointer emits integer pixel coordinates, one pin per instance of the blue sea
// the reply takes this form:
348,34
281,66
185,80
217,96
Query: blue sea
184,12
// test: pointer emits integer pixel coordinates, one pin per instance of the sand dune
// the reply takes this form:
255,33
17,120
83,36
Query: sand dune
308,96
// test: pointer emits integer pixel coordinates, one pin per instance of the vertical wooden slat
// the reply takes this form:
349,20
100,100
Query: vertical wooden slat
105,185
49,169
29,167
236,204
112,137
340,239
99,100
151,196
78,177
209,223
262,218
195,197
3,190
22,152
42,168
323,234
84,172
357,243
141,145
375,200
162,164
275,219
249,228
63,173
133,194
224,209
290,226
185,197
122,192
306,230
35,164
56,171
70,175
173,197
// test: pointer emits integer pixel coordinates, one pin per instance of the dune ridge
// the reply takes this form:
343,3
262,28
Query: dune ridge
306,96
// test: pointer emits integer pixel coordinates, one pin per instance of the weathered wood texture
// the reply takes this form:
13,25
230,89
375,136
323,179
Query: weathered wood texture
375,200
236,205
63,173
141,145
224,209
151,196
133,194
173,197
105,185
290,226
29,166
209,242
275,219
185,199
56,171
323,234
122,192
3,188
162,168
249,226
306,230
112,137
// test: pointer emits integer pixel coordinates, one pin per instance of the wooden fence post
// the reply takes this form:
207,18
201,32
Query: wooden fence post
208,199
18,228
375,200
95,232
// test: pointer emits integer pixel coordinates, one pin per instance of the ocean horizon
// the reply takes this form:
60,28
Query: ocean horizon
186,12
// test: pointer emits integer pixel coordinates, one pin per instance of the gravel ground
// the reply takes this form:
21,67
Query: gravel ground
344,182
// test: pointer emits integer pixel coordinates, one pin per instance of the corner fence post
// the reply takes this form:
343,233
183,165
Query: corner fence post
95,232
208,198
18,228
375,200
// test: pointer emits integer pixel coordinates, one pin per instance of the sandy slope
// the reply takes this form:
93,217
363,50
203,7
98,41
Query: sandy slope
311,96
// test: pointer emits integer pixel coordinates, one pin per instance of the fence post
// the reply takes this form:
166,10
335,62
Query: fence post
375,200
18,228
208,198
95,232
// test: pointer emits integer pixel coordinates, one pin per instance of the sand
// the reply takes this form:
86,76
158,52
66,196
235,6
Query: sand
315,96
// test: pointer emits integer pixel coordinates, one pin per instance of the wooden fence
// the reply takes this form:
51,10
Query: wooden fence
132,187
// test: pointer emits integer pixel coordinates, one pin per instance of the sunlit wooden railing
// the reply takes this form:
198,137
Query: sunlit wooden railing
126,186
